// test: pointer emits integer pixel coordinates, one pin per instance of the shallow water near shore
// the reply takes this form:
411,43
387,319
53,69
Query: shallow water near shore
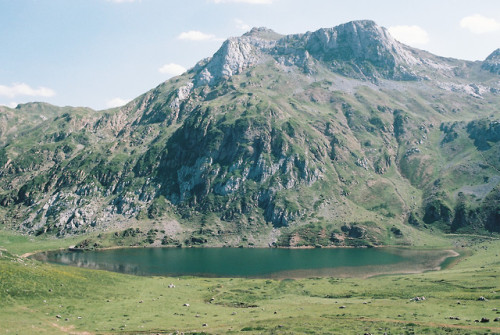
255,262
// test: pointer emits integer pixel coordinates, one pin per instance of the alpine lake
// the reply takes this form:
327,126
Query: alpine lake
255,262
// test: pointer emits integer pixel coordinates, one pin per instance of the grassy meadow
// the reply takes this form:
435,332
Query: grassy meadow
38,298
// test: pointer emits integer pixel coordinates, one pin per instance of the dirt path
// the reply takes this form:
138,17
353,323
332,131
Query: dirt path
69,329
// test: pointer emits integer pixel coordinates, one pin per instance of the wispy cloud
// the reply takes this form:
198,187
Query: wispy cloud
116,102
10,104
25,90
195,35
241,25
172,69
253,2
479,24
411,35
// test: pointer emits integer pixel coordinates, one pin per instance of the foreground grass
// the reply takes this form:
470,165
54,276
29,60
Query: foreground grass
51,299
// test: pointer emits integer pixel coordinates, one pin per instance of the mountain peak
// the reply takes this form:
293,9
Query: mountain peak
364,24
237,54
360,40
263,33
492,62
494,55
234,55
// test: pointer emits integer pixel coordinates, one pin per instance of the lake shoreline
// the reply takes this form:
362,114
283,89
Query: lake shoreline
72,248
273,263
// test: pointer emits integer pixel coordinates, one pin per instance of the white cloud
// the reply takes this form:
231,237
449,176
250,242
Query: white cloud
116,102
25,90
10,104
172,69
411,35
479,24
194,35
253,2
241,25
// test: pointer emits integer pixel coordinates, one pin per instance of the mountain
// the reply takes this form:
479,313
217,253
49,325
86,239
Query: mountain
342,136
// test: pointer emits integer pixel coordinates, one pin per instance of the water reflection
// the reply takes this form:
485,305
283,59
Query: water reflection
264,263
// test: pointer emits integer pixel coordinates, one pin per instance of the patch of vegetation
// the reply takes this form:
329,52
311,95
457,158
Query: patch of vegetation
158,207
313,234
130,237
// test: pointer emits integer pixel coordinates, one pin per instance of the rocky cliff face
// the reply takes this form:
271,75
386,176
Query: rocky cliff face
236,55
366,47
342,136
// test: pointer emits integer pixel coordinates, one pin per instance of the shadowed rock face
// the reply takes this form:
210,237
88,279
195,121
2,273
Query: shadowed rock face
492,62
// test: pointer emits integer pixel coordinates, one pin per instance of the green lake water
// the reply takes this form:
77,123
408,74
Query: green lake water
253,262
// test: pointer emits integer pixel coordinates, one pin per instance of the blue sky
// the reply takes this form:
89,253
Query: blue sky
102,53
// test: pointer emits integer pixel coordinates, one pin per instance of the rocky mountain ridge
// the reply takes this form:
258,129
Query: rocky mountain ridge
367,48
342,136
